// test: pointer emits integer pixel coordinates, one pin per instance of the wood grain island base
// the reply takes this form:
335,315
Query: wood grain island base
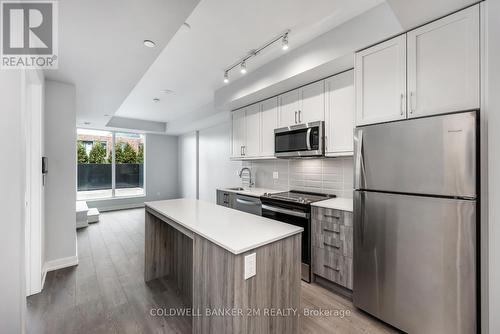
207,271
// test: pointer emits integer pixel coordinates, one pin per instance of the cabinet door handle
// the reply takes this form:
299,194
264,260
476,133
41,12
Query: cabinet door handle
243,147
295,116
300,112
332,216
330,267
401,104
332,231
330,245
241,150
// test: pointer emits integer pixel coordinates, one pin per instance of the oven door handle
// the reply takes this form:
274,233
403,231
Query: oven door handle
308,139
285,211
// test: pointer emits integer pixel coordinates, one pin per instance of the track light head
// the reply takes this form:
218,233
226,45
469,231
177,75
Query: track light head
284,42
243,69
226,77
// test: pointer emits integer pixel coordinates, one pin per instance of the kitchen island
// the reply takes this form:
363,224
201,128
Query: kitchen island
202,249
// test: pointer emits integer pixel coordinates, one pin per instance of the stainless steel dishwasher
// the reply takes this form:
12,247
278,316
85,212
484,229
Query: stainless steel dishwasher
248,204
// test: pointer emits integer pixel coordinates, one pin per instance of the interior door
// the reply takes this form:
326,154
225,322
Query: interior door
312,103
269,122
415,261
251,147
288,108
380,82
339,114
238,133
443,65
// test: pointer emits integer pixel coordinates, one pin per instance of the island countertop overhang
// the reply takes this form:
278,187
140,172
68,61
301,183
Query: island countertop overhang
235,231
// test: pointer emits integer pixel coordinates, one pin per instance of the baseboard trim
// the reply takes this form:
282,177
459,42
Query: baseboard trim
60,263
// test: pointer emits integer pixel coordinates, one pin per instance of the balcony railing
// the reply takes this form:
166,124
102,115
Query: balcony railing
99,176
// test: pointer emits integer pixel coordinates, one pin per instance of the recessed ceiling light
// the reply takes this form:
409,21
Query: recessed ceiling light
166,91
149,43
156,100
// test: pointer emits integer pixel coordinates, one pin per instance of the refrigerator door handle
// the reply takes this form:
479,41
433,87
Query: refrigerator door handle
359,171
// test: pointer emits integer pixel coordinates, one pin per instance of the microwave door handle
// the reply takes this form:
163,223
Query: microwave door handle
308,139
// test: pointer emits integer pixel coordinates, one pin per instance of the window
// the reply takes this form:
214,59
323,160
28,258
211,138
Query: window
110,164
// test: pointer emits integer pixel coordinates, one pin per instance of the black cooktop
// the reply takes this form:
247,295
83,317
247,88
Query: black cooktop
296,196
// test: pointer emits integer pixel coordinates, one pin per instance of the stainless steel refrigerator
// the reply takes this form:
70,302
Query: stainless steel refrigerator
415,205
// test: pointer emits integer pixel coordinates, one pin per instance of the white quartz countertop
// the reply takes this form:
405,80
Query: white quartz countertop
338,203
233,230
255,192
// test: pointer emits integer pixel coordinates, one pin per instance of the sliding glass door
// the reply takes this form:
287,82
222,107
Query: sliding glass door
110,164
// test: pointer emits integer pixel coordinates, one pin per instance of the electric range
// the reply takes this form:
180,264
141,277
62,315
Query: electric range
294,207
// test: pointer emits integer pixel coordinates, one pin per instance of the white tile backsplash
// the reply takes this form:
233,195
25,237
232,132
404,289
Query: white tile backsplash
329,175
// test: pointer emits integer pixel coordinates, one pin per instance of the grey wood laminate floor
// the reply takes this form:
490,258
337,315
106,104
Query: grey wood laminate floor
106,292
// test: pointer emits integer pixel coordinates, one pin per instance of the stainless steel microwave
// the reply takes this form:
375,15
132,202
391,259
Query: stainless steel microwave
303,140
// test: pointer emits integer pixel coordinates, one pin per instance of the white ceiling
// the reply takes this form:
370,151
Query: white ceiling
101,48
222,31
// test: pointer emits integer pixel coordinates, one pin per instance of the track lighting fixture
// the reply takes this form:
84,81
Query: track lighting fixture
283,37
284,42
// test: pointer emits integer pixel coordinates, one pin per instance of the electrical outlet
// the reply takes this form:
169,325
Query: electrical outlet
250,265
275,175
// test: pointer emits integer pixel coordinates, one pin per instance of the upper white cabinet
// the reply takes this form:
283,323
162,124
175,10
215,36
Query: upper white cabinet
268,122
443,65
312,103
238,133
253,130
289,108
339,114
302,105
380,74
251,148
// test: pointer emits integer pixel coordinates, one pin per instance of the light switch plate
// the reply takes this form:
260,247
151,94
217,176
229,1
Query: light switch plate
250,265
275,175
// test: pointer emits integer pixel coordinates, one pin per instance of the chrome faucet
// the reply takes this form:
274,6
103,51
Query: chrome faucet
250,183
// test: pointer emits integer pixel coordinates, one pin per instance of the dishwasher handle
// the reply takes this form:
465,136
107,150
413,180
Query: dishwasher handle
242,201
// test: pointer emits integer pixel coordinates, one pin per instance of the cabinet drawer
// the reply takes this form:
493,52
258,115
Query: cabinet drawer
332,236
332,215
333,266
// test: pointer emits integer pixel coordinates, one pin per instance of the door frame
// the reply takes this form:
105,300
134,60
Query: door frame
34,213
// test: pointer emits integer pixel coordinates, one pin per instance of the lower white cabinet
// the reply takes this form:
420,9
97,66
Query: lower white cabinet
339,114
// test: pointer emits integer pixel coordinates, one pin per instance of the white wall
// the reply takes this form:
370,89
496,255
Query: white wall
216,170
188,165
12,286
60,186
161,176
492,104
